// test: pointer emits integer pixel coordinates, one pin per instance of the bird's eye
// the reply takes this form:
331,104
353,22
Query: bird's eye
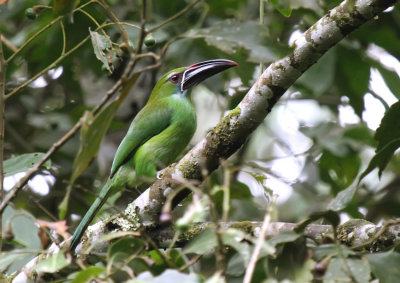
174,78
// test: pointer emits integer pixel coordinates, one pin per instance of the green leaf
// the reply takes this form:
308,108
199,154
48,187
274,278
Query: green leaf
239,190
23,225
52,264
7,259
203,243
103,50
392,80
92,133
108,238
236,266
360,133
239,240
87,274
25,231
231,37
385,266
330,216
353,81
322,251
339,171
338,270
283,6
124,248
343,198
312,79
177,257
284,237
388,137
23,162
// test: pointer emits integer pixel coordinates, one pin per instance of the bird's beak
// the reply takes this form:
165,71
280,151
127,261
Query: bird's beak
198,72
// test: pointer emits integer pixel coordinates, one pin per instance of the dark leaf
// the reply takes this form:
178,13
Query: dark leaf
124,248
388,137
283,7
231,36
323,251
392,80
343,198
203,243
103,50
330,216
339,171
348,269
87,274
353,82
312,79
284,237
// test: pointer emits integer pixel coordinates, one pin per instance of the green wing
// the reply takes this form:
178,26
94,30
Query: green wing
150,121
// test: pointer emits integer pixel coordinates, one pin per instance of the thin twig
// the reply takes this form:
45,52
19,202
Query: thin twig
2,117
44,209
260,241
12,193
49,25
89,16
177,15
142,32
64,39
157,250
220,250
377,96
124,34
49,67
8,43
56,62
190,262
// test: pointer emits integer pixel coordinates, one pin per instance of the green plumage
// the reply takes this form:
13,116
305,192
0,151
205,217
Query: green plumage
156,136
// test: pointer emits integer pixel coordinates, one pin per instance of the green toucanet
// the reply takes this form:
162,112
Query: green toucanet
157,135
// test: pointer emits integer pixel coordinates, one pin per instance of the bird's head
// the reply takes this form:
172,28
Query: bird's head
181,79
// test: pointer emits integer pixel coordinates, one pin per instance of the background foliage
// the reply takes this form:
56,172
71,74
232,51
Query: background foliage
311,151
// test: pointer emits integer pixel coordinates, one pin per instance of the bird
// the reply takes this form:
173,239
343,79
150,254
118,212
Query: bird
157,135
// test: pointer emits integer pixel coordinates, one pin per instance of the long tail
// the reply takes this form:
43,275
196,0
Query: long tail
90,214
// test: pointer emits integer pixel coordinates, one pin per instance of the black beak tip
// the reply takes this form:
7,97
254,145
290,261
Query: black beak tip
198,72
214,63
